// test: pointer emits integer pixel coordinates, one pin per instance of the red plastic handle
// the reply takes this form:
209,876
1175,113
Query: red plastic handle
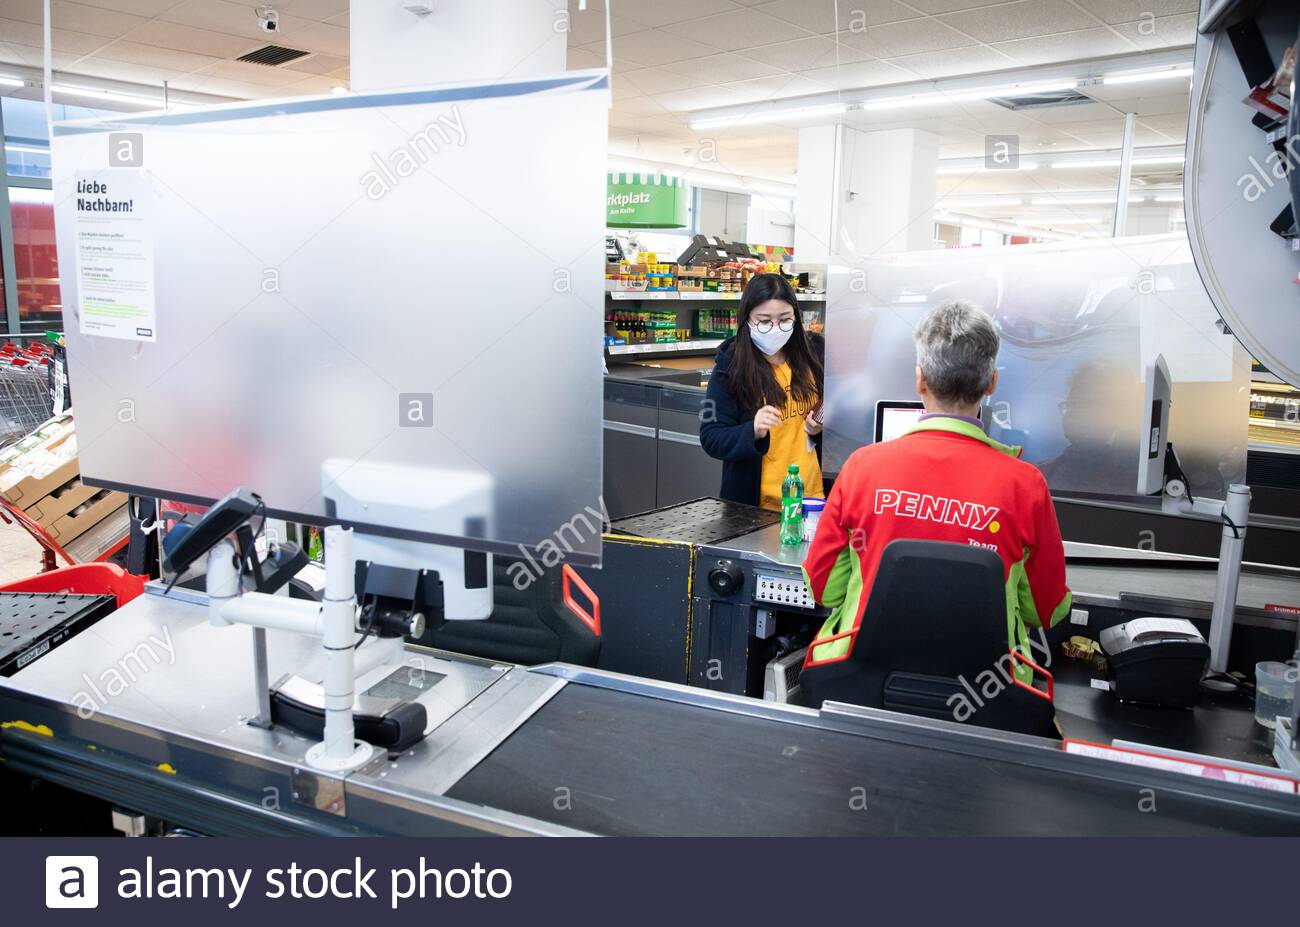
590,619
1016,655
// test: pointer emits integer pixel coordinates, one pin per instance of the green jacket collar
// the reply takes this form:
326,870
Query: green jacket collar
956,426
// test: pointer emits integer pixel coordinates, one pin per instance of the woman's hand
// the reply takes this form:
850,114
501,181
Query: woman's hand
812,424
765,420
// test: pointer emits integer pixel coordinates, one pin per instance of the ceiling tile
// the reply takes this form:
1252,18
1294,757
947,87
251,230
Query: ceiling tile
813,15
774,88
683,102
319,64
720,69
1019,20
26,11
656,80
1079,113
651,47
1123,11
953,62
320,37
586,28
808,53
1066,46
576,58
148,8
913,36
318,10
232,19
1163,32
92,20
151,56
932,7
191,39
860,74
735,30
655,13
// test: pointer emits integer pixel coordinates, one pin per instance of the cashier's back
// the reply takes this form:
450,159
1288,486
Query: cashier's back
945,480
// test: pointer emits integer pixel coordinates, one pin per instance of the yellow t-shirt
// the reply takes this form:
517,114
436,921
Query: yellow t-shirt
789,445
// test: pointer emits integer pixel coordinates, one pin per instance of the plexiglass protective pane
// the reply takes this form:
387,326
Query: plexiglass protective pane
386,296
1079,322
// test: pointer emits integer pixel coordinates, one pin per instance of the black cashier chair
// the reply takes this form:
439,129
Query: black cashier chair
936,619
541,623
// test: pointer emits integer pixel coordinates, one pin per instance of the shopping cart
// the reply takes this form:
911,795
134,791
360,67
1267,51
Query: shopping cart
102,542
25,400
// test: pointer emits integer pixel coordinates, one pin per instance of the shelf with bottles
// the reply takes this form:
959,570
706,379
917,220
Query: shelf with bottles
688,295
638,327
715,323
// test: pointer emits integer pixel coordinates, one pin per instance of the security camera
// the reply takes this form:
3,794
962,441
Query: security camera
268,19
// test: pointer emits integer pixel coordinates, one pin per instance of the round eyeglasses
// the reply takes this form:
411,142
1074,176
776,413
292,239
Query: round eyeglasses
765,326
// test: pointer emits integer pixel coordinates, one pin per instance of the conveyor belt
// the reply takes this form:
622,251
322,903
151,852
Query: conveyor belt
615,763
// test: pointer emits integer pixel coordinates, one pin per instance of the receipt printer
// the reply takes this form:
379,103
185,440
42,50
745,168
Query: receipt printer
1156,661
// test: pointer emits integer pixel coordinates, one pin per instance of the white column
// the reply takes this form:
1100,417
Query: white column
458,41
1150,219
863,193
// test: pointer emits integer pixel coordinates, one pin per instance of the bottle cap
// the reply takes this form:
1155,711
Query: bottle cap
794,468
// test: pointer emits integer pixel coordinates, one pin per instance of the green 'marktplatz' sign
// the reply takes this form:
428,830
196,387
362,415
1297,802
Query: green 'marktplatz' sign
645,201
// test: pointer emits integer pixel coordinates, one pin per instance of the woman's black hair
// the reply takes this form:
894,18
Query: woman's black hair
751,375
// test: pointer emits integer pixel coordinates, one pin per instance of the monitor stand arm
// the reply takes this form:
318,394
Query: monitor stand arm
1233,513
333,620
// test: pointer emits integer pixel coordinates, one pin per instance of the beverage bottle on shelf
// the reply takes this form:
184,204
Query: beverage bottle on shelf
792,507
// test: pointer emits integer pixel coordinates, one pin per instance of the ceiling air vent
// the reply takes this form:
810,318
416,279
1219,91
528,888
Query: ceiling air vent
1069,97
273,55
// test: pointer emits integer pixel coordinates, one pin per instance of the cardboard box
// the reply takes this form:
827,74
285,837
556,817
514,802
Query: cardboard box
25,490
103,504
61,501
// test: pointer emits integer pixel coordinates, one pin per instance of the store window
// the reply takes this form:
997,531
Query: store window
27,143
31,206
39,305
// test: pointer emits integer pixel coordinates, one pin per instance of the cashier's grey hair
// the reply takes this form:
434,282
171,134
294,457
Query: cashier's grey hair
957,350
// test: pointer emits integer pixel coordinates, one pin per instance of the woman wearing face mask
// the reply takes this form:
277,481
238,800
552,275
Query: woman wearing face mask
762,411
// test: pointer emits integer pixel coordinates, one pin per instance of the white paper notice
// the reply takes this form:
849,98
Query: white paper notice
115,280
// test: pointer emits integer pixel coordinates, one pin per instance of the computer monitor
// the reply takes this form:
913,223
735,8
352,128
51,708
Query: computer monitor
895,417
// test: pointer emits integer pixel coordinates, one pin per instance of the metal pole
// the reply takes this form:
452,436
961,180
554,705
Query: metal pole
1125,176
8,261
1236,512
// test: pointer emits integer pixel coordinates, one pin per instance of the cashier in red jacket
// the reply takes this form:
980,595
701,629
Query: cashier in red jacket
944,480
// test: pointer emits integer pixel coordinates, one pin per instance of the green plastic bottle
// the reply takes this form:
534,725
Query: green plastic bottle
792,507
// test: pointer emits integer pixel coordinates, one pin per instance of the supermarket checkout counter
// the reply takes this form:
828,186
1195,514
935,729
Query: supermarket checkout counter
556,750
720,604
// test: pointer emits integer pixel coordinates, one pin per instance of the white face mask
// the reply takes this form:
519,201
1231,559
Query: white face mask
770,342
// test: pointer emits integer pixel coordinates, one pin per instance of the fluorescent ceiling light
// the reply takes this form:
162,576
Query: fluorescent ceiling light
1170,198
1068,200
1098,221
1140,76
98,94
7,81
1024,165
1115,162
974,204
769,115
19,146
958,96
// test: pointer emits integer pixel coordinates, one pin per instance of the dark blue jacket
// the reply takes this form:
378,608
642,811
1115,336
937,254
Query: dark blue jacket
727,430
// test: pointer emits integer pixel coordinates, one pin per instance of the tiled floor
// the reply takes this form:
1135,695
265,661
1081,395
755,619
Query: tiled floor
20,556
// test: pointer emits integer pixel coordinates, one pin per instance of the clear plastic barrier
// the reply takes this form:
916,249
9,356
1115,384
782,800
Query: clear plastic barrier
1079,322
405,279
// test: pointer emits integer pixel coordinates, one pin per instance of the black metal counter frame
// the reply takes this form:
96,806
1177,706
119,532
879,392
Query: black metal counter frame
637,757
